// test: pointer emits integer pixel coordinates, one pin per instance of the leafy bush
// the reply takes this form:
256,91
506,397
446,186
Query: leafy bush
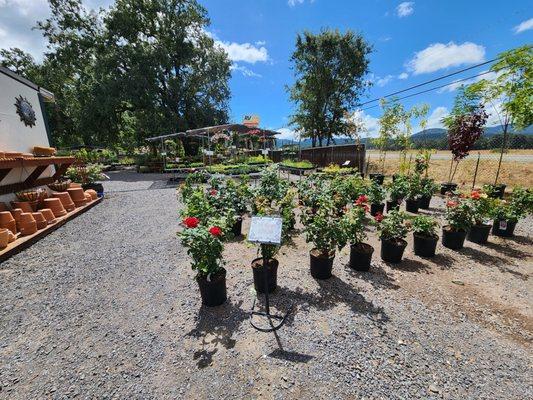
394,226
424,226
84,174
271,186
398,189
258,160
302,164
458,214
353,222
376,193
481,205
520,205
428,187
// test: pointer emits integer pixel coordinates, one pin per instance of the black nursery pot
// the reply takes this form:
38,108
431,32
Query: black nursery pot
424,246
453,239
361,256
213,292
376,208
479,233
97,187
392,205
411,205
236,229
447,187
497,191
503,228
377,178
259,275
392,250
321,267
423,202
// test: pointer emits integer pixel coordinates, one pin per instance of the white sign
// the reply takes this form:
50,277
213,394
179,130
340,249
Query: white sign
209,152
265,230
264,152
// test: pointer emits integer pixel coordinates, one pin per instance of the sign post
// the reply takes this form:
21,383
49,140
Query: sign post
266,231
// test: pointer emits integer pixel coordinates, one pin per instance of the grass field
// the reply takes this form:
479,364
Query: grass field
512,173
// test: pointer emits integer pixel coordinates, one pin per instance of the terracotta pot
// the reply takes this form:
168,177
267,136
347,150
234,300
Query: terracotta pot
92,193
16,214
66,200
59,186
28,228
88,198
3,206
7,221
40,219
77,195
48,215
55,205
25,206
4,238
25,218
12,237
28,195
74,185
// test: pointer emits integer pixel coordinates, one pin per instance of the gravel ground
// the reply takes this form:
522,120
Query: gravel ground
106,307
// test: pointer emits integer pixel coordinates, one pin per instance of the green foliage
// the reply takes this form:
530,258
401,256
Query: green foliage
520,205
89,173
414,187
329,70
258,160
303,164
481,205
324,228
424,225
399,188
393,226
204,248
459,214
353,224
271,186
376,193
428,187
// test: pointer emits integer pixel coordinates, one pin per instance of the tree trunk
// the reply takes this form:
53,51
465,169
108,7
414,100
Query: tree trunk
504,144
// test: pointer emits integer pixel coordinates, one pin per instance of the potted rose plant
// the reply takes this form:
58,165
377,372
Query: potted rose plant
398,190
325,231
458,215
481,206
376,195
353,224
205,247
425,236
392,230
427,190
507,213
414,189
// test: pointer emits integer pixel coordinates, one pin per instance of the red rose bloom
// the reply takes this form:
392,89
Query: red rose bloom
451,203
215,231
378,217
361,199
475,195
213,192
191,222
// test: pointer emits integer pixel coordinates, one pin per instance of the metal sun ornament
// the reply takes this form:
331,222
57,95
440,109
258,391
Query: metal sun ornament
25,111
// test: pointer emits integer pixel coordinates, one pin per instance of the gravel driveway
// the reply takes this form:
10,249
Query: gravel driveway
106,307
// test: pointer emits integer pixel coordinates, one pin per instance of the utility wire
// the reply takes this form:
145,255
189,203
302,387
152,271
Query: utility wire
431,89
428,82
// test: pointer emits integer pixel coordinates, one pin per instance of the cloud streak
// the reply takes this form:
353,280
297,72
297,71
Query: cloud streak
523,26
405,9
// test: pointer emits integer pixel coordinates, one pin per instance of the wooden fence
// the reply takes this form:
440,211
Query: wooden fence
323,156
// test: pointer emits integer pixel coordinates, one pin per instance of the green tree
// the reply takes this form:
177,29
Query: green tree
510,93
329,69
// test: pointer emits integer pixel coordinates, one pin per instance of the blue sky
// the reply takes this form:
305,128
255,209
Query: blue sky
413,42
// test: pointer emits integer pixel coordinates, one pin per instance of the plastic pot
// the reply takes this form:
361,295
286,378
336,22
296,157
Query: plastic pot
411,205
447,187
236,229
376,208
453,239
361,256
259,275
393,205
378,178
321,266
392,250
213,292
497,191
423,202
503,228
479,233
424,246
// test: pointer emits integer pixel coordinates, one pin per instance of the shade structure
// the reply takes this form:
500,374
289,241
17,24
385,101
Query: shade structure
211,130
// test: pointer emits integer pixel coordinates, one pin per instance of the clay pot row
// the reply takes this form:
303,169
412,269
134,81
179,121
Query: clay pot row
78,196
6,237
26,223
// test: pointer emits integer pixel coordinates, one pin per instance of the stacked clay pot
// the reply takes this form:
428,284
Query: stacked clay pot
92,193
48,215
27,224
40,220
66,200
16,215
4,238
74,185
3,206
78,196
25,206
54,204
7,221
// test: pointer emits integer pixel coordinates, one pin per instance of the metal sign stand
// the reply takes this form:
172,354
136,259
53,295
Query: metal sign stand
266,231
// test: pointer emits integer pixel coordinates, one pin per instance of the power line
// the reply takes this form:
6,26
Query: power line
428,82
433,88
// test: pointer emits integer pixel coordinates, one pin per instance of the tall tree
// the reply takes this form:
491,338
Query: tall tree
329,69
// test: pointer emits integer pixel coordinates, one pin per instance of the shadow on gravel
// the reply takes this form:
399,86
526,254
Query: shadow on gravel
331,292
520,239
215,328
507,250
443,261
411,265
292,356
377,277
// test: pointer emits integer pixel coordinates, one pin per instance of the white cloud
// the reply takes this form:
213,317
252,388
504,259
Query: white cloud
523,26
456,84
287,134
439,56
293,3
383,81
244,52
434,119
405,9
403,75
260,43
245,71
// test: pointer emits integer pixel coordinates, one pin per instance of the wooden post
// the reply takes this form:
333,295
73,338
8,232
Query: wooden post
475,172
